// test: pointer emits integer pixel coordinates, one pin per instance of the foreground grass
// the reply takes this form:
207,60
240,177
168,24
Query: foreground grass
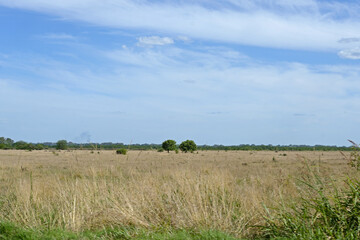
157,193
323,212
11,231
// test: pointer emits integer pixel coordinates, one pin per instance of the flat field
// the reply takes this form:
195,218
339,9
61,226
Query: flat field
78,190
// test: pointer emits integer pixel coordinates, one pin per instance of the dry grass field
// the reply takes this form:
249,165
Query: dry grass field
77,190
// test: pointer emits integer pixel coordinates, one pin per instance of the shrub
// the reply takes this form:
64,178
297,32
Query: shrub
61,145
21,145
169,145
160,150
39,146
30,147
188,146
6,143
121,151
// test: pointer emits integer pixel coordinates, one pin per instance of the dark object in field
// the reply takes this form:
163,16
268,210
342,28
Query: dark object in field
121,151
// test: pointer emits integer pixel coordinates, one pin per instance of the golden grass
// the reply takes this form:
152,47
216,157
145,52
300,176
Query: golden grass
78,190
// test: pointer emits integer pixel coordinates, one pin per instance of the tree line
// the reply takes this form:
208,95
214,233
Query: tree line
8,143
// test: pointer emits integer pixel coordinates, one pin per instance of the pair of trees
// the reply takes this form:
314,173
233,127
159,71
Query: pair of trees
185,146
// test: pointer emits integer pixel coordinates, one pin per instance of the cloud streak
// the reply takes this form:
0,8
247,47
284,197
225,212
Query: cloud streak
154,40
251,94
353,53
58,36
310,25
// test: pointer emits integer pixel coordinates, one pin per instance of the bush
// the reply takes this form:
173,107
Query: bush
188,146
169,145
160,150
39,146
61,145
121,151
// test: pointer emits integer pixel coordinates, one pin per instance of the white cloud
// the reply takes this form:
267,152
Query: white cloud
353,53
154,40
311,25
155,85
349,40
59,36
184,39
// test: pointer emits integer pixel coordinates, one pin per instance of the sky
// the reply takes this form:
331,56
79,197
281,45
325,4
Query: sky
218,72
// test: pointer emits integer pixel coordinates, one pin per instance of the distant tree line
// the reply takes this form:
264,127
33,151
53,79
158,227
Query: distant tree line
8,143
252,147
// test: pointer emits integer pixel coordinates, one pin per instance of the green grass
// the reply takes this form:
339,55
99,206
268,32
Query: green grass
323,213
11,231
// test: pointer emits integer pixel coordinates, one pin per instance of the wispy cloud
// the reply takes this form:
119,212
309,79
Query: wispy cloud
349,40
154,40
155,83
184,39
311,25
59,36
183,62
353,53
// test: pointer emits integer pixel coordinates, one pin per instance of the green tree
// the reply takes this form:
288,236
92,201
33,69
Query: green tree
6,143
169,145
21,145
9,142
188,146
61,145
39,146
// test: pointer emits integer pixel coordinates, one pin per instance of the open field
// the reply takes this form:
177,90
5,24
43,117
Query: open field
80,190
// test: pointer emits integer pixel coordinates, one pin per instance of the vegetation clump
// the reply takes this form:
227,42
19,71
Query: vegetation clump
188,146
324,213
169,145
121,151
6,143
61,145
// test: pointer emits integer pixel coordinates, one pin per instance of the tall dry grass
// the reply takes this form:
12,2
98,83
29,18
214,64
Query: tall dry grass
77,190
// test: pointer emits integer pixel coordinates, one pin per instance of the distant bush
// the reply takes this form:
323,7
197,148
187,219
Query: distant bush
188,146
21,145
39,146
169,145
6,143
61,145
160,150
121,151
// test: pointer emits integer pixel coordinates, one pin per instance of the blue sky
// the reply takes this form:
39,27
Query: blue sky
218,72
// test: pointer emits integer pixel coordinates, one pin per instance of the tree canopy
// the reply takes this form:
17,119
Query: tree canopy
169,145
188,146
61,145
